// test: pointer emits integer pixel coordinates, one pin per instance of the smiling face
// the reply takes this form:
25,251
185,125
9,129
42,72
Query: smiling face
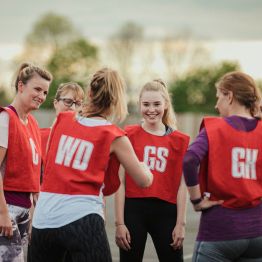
152,106
33,93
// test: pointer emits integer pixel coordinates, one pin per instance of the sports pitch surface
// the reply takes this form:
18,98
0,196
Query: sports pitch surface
150,254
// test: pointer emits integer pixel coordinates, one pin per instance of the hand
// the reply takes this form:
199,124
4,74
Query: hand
6,225
178,236
206,204
123,238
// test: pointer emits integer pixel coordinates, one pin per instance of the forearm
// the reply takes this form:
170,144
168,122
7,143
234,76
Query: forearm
194,192
197,151
120,199
181,203
5,221
119,206
138,171
3,205
190,169
123,238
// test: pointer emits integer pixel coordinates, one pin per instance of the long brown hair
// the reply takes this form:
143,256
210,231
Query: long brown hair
244,90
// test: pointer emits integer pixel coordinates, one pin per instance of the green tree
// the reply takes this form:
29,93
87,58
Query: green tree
182,52
49,33
123,45
56,43
72,62
196,91
52,29
4,99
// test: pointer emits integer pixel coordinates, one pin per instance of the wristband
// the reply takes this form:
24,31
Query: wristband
196,201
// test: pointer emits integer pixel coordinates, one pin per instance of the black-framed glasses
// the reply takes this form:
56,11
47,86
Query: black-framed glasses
69,102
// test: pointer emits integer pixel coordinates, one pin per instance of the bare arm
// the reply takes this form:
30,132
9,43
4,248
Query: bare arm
194,192
178,233
127,157
5,221
205,203
123,238
120,198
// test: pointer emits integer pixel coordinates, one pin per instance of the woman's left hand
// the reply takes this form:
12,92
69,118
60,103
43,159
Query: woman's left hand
206,204
178,236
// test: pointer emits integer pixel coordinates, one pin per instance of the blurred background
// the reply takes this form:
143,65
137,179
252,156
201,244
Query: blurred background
187,43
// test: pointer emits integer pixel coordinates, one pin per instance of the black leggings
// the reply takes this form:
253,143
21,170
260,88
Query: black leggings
153,216
84,240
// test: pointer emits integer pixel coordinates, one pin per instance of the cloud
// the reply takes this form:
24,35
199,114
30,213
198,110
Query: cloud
234,19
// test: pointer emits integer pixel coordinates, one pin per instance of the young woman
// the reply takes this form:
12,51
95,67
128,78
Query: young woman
69,211
69,97
160,209
20,159
229,189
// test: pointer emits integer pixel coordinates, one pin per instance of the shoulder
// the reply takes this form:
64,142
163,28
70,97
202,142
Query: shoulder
181,135
66,114
178,138
4,118
131,129
117,131
6,113
4,126
259,122
211,122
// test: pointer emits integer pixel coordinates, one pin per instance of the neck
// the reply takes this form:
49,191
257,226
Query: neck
156,129
94,115
240,111
22,113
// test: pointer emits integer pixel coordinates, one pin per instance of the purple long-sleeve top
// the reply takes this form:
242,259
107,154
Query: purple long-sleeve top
219,223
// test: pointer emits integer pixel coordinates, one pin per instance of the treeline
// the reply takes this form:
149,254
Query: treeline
54,41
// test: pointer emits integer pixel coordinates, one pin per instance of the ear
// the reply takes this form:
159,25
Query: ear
55,103
89,94
20,86
230,97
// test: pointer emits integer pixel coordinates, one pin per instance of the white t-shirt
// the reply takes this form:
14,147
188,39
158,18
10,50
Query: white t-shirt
56,210
4,127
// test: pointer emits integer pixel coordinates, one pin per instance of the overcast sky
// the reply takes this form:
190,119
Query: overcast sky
210,19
